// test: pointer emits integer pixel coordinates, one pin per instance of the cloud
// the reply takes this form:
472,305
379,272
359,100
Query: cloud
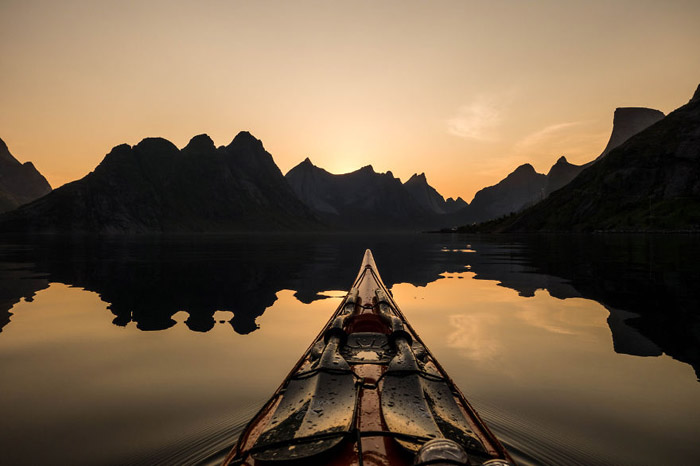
578,140
545,135
478,120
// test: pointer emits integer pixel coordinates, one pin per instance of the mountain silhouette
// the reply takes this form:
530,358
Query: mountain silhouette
525,187
428,197
363,199
522,187
20,183
650,182
561,174
455,205
154,187
628,121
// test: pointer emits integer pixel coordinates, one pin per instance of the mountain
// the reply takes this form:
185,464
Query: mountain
363,199
561,174
20,183
455,205
154,187
424,194
428,197
650,182
518,190
628,121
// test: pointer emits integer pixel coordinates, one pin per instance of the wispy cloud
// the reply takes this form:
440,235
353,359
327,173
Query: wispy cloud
546,134
578,140
478,120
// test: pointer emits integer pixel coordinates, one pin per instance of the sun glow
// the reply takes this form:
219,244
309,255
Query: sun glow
344,164
449,91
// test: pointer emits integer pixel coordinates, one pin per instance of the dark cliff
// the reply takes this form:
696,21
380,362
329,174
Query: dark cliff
20,183
628,121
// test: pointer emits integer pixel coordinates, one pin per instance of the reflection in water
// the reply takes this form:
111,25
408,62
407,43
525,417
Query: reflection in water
653,277
148,283
17,282
473,337
647,283
542,373
76,389
534,354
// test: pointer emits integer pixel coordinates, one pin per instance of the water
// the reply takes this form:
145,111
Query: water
575,350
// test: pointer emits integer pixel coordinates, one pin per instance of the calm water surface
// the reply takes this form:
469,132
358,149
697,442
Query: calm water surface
575,350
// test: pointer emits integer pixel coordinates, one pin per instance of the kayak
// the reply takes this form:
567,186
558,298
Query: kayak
367,391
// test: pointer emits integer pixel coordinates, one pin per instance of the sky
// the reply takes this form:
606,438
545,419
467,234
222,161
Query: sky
464,91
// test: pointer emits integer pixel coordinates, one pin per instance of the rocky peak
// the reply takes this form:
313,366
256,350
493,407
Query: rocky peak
417,178
525,174
246,141
200,143
453,205
628,121
305,166
634,116
425,195
524,170
247,153
121,148
560,165
155,146
561,174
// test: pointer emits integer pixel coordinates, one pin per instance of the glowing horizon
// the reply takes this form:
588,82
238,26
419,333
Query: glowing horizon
464,92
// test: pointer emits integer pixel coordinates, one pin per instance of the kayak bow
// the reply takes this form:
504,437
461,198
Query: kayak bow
368,391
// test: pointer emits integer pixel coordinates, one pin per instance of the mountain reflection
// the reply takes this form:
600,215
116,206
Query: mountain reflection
647,283
147,282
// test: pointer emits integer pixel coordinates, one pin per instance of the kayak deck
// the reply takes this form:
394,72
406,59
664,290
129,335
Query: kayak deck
367,391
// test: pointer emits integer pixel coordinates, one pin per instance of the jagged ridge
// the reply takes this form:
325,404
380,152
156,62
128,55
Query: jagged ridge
154,187
360,200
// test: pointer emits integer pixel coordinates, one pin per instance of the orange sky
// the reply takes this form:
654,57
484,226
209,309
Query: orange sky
464,91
